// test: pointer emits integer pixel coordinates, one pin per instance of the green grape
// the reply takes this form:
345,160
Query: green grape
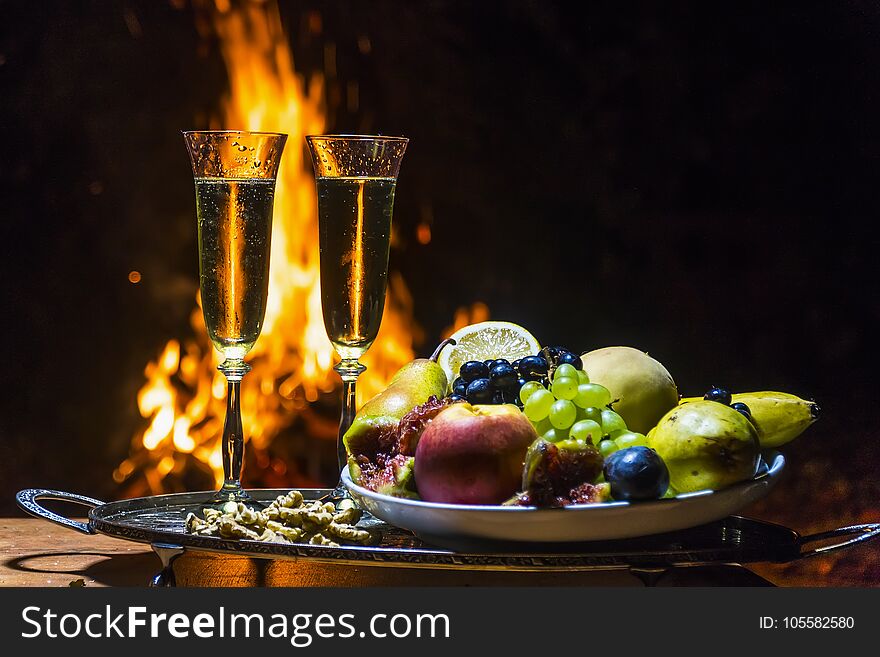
570,443
564,388
670,493
586,428
583,377
538,406
607,448
562,414
543,426
555,435
592,394
626,439
565,371
528,388
592,413
611,421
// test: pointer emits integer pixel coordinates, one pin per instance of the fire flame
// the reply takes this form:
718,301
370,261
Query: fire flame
184,395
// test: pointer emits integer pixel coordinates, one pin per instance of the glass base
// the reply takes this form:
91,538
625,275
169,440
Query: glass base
336,495
227,498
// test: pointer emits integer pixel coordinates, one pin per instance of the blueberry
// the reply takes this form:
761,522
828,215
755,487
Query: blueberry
742,408
473,370
720,395
636,473
533,368
459,387
571,359
503,376
480,391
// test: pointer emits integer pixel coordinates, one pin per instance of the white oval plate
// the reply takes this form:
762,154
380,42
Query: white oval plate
584,522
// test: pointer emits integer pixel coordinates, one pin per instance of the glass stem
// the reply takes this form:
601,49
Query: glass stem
349,370
233,434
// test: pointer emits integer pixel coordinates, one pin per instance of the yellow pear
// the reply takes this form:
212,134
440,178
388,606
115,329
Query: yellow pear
706,445
643,388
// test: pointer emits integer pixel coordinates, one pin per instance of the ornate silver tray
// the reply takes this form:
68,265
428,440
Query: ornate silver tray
159,521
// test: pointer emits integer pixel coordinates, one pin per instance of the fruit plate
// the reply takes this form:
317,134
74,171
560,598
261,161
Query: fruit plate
457,525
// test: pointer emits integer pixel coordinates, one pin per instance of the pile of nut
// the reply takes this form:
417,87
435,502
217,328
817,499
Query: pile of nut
288,519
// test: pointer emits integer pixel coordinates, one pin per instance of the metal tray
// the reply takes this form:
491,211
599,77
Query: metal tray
159,521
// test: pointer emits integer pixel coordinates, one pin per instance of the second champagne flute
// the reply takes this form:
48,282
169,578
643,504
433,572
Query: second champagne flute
356,176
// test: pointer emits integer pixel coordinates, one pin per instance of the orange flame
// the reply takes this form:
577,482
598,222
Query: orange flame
184,395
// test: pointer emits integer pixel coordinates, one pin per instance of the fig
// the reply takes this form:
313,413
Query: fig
562,473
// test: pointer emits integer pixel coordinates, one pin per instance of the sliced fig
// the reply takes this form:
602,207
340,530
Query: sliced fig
381,459
560,474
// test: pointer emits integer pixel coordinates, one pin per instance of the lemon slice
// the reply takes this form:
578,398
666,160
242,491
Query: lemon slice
484,341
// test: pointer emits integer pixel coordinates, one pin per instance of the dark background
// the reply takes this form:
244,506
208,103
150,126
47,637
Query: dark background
698,181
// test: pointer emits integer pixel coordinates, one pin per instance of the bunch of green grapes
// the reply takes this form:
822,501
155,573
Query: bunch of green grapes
575,408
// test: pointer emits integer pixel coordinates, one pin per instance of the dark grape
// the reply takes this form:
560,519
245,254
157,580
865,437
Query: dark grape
636,473
503,376
480,391
498,397
456,398
571,359
742,408
509,396
473,370
533,368
717,394
459,387
520,382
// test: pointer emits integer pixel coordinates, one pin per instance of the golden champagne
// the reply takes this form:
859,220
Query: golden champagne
235,231
355,236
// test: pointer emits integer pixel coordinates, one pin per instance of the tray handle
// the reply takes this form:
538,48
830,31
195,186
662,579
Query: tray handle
858,534
28,498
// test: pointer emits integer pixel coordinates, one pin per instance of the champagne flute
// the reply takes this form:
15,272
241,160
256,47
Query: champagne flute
356,176
234,176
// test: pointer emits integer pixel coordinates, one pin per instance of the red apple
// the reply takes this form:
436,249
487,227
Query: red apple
473,454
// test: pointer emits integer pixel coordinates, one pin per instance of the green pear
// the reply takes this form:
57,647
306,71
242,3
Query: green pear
706,445
413,384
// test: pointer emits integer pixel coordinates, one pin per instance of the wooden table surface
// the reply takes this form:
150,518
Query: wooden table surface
34,552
